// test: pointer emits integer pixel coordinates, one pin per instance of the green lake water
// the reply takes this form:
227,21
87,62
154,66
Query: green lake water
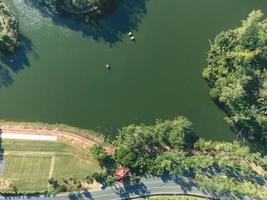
60,75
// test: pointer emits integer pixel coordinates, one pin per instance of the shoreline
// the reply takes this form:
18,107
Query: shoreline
84,137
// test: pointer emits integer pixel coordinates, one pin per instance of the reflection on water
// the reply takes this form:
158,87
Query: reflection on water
28,15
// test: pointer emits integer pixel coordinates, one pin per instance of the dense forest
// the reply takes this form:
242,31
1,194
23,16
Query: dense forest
237,76
171,147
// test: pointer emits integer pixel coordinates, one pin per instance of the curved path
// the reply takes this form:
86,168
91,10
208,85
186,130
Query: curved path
148,187
74,138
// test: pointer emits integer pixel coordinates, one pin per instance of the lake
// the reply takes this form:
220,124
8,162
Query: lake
60,74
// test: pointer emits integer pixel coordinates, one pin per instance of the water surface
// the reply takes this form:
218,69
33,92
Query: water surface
60,76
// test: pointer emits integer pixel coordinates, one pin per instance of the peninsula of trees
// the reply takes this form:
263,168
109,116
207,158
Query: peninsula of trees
171,147
237,76
84,9
8,29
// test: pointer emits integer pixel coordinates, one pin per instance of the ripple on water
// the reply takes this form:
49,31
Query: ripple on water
30,13
34,16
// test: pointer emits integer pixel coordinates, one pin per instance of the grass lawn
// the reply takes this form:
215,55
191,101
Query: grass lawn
37,146
68,166
28,173
30,163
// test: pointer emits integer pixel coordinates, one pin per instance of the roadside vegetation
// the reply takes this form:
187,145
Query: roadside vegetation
237,76
8,29
171,147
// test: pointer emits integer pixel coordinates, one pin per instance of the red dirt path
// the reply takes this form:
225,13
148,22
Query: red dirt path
73,138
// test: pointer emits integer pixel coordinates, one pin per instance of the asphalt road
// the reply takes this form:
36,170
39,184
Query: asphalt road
147,187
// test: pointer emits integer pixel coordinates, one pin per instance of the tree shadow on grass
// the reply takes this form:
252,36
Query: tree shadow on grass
15,62
110,29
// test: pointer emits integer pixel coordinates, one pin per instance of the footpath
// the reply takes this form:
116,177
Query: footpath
71,137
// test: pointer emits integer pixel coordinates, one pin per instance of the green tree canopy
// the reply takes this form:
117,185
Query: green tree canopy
236,74
174,134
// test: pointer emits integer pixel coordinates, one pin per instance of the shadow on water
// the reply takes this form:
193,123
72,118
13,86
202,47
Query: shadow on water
126,18
15,62
5,77
2,162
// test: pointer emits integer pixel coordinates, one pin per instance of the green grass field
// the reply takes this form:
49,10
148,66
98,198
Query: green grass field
30,164
28,173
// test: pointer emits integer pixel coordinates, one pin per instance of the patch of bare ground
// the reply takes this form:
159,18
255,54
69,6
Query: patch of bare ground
4,184
258,169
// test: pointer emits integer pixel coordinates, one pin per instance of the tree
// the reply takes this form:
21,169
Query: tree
236,74
126,157
89,179
177,134
9,29
180,133
52,181
110,180
99,176
14,188
99,153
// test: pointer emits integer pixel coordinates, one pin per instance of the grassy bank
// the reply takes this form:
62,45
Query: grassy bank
90,134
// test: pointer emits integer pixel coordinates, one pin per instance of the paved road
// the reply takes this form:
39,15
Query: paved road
151,186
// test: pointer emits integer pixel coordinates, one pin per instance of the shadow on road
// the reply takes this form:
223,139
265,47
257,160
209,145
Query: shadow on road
80,196
127,191
186,184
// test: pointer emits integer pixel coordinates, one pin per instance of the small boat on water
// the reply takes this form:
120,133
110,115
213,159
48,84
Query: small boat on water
131,35
108,66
